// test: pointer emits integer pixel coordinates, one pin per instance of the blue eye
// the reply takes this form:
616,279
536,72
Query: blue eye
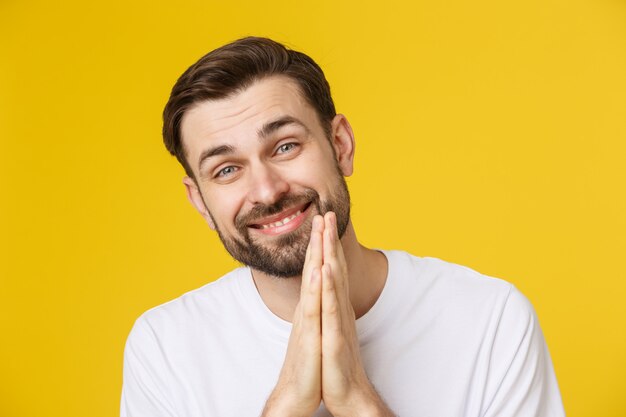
286,147
224,172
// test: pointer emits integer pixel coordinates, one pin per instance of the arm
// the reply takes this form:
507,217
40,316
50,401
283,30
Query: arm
143,391
521,379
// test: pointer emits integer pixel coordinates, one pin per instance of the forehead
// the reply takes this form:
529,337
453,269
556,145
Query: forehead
240,116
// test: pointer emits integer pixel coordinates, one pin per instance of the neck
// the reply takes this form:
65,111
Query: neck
367,271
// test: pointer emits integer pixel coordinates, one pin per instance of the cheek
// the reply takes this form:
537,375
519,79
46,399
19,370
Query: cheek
224,208
315,169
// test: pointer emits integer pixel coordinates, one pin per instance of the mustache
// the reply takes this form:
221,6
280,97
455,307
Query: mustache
260,210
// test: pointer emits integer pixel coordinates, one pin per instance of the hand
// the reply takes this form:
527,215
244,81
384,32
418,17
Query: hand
323,360
346,390
298,391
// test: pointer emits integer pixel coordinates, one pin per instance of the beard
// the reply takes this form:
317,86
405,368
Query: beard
284,256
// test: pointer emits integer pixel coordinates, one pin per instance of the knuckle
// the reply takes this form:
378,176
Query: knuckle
332,309
311,313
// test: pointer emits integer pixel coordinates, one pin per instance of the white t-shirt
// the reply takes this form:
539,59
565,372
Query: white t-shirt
441,340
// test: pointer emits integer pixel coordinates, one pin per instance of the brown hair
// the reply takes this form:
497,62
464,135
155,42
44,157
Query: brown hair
234,67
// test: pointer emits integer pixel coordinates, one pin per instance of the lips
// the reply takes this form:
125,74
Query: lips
283,222
281,218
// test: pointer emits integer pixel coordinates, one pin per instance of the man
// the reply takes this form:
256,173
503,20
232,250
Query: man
316,324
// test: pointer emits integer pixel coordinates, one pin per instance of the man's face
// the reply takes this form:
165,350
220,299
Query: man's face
264,167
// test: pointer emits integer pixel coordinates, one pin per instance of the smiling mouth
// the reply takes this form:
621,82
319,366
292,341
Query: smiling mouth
277,222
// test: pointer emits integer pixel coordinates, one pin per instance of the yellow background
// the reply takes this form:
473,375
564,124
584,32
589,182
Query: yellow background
489,133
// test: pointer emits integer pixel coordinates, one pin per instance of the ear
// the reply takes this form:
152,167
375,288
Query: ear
195,198
343,143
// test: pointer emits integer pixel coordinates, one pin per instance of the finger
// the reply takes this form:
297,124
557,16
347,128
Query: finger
338,248
329,245
314,255
315,226
301,371
308,248
312,306
330,228
333,254
331,319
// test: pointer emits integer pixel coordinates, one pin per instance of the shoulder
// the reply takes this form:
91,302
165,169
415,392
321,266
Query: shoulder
194,308
456,288
443,276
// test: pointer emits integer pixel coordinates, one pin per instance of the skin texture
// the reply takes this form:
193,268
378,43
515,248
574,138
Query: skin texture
259,171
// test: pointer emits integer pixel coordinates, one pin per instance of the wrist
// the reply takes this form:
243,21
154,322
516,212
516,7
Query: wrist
281,404
364,403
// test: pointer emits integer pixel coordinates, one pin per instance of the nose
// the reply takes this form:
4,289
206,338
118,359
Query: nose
266,185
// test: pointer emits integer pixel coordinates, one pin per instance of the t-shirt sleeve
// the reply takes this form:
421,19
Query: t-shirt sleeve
521,376
144,390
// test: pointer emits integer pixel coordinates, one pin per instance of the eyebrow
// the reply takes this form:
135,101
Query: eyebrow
271,127
214,151
266,130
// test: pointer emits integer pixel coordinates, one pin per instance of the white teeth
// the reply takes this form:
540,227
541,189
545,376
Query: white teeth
281,222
